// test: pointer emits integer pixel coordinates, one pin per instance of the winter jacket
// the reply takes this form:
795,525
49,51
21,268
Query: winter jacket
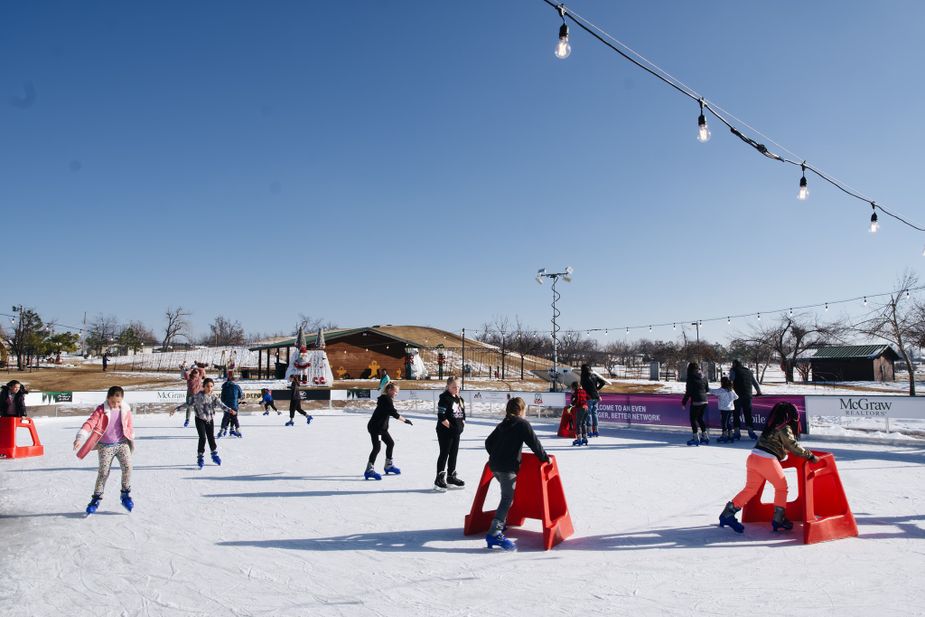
725,398
384,382
231,394
580,398
267,398
99,419
385,409
507,440
194,383
696,391
742,381
453,409
592,383
12,404
779,441
207,405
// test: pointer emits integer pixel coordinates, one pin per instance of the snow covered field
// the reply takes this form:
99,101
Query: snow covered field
287,526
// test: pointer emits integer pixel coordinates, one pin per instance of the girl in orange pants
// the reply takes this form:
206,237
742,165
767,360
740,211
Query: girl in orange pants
763,464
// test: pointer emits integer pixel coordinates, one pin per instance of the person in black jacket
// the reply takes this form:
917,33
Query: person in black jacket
504,446
451,420
591,383
295,402
13,399
742,382
378,427
696,392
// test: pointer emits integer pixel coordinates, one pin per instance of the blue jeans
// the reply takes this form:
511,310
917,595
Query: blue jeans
592,412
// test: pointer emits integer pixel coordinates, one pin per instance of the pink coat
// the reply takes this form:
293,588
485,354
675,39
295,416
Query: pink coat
95,425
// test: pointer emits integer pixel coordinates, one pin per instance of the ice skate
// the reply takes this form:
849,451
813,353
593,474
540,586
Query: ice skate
221,434
290,423
705,438
199,461
267,412
577,442
371,475
693,441
94,503
724,438
186,423
308,419
780,522
584,441
454,481
440,482
127,502
500,541
391,468
736,435
728,518
751,434
216,459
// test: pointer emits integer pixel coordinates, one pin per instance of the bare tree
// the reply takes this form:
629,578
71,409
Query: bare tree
225,332
755,349
525,342
177,326
899,322
310,324
102,333
794,335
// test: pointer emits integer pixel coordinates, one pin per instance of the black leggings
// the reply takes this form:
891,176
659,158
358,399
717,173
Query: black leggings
267,406
206,430
449,447
389,446
697,412
743,407
292,412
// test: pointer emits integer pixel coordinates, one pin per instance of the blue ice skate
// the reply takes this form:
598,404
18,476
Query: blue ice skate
94,503
500,541
216,459
371,475
199,461
704,439
237,433
220,434
390,468
186,423
290,423
694,441
308,419
127,502
728,518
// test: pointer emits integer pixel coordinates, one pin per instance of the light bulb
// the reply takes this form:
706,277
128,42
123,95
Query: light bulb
627,330
865,300
605,332
563,49
703,131
728,320
874,225
804,190
791,312
759,316
674,326
826,306
650,328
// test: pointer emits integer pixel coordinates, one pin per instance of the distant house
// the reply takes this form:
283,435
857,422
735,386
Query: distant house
853,363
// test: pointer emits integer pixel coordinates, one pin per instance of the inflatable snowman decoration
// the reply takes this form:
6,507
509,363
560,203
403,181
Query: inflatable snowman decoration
311,365
414,366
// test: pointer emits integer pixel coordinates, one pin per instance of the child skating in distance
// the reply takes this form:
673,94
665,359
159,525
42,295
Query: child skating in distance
725,400
206,403
266,397
504,446
295,402
110,430
776,440
580,413
696,392
194,377
231,396
378,427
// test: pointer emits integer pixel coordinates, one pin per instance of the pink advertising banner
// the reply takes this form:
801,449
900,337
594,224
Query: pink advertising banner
666,410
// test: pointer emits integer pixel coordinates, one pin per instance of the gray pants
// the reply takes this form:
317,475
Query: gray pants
507,480
120,451
581,423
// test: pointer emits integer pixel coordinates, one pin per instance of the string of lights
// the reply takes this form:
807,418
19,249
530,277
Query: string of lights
788,310
563,49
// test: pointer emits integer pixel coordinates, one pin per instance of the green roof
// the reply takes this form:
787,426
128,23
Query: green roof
852,352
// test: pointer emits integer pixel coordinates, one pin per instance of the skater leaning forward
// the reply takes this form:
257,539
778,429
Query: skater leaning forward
696,392
504,445
378,427
451,420
206,403
763,464
109,430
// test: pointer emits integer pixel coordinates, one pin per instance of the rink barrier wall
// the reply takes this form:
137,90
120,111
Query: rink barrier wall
615,409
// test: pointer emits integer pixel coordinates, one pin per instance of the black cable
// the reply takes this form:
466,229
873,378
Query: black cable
564,12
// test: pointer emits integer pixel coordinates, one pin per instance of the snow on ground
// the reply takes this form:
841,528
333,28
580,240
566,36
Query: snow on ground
287,526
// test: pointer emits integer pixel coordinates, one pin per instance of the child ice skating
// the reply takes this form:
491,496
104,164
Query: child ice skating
206,403
580,413
231,397
295,402
266,397
194,377
109,430
451,420
696,392
504,445
776,440
591,383
725,399
378,427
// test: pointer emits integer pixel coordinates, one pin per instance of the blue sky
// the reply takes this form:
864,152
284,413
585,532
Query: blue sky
417,162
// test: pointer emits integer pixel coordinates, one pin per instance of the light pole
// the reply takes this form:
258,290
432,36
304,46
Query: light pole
696,324
567,277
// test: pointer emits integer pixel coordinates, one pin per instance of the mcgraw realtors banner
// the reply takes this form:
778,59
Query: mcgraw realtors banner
666,410
905,407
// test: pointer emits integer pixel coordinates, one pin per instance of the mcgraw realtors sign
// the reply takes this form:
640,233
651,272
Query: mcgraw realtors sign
866,406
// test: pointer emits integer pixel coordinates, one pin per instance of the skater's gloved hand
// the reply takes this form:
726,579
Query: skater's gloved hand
813,459
408,422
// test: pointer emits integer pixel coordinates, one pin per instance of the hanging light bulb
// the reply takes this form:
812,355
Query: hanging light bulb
700,323
791,312
865,300
703,131
563,49
907,293
826,307
728,320
650,328
627,330
605,332
874,225
674,326
804,190
759,316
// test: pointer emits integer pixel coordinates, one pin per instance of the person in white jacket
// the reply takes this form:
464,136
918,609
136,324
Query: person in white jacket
725,398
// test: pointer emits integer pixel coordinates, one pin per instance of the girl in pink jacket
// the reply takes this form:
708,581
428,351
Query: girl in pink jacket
110,430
